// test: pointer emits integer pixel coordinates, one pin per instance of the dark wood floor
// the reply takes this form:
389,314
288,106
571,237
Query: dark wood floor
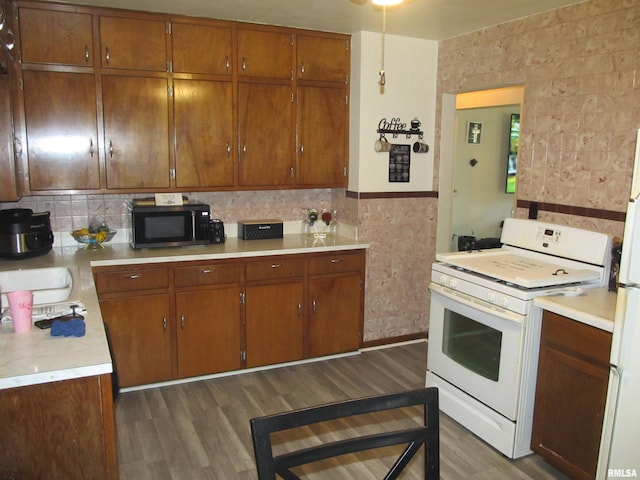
200,430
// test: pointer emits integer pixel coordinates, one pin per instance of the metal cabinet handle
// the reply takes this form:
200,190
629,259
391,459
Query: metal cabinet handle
228,63
301,69
91,149
86,54
314,306
336,260
182,322
107,57
208,270
164,323
110,148
299,309
276,265
244,64
228,149
301,150
17,147
132,277
244,149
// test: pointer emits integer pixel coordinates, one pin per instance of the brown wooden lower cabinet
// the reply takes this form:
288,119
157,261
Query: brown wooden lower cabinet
571,391
59,430
187,319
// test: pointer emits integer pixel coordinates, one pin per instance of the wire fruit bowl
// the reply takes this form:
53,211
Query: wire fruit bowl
93,240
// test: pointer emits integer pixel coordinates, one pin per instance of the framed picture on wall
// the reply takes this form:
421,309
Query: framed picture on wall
474,132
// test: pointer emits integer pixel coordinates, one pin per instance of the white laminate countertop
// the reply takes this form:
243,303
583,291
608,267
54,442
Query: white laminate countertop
595,307
36,357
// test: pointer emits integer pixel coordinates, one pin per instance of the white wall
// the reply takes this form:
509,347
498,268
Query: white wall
410,92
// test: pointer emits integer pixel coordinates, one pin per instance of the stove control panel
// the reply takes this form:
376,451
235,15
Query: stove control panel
493,297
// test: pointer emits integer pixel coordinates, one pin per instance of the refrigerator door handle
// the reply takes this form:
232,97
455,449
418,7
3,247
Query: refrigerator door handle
607,423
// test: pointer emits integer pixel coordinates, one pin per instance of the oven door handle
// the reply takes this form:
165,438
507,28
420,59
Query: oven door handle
476,303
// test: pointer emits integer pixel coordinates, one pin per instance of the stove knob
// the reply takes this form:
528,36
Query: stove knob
505,302
453,283
443,279
492,297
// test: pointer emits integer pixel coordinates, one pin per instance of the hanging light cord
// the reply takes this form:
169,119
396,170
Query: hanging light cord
384,28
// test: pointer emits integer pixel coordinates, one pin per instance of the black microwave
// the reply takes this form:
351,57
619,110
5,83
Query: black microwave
170,226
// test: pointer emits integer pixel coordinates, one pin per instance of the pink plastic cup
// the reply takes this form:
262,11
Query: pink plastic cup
20,305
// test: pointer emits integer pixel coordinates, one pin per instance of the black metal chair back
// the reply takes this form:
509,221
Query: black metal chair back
427,434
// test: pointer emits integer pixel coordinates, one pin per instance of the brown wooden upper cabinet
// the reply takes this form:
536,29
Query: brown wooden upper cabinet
56,37
60,114
133,43
322,150
199,48
265,150
322,58
136,131
265,53
204,143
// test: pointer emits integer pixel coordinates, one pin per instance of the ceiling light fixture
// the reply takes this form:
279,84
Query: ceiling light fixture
384,4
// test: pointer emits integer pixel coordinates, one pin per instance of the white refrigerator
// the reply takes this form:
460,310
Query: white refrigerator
619,451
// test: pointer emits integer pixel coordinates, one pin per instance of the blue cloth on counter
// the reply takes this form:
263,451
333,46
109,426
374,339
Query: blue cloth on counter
68,328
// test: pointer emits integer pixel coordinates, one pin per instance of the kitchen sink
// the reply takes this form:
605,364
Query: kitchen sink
49,285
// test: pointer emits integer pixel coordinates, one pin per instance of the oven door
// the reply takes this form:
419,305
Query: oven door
476,347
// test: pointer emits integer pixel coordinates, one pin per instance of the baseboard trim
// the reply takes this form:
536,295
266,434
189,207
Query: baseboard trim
394,341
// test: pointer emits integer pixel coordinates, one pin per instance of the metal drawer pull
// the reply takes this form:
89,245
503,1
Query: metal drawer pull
314,307
133,277
164,323
182,322
228,63
110,148
276,265
107,57
208,270
91,149
336,260
299,309
228,149
86,54
244,64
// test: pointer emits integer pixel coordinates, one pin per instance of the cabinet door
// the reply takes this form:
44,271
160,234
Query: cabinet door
274,322
322,58
323,132
209,331
136,126
133,43
265,114
335,315
203,112
201,49
140,338
56,37
264,53
62,135
8,189
571,392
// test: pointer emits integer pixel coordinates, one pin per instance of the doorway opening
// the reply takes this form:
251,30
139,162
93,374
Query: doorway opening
476,159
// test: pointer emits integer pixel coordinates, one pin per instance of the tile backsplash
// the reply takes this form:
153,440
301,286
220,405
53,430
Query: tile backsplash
70,212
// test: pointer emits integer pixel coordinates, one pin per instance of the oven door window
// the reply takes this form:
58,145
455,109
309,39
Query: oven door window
472,345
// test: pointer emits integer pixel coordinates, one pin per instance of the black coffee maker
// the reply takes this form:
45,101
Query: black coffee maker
24,234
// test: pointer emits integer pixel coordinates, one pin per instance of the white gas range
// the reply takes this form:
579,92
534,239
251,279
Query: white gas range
484,331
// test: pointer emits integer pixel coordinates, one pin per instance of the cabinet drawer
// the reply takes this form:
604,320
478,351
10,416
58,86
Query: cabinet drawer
207,274
132,279
335,263
576,338
277,267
